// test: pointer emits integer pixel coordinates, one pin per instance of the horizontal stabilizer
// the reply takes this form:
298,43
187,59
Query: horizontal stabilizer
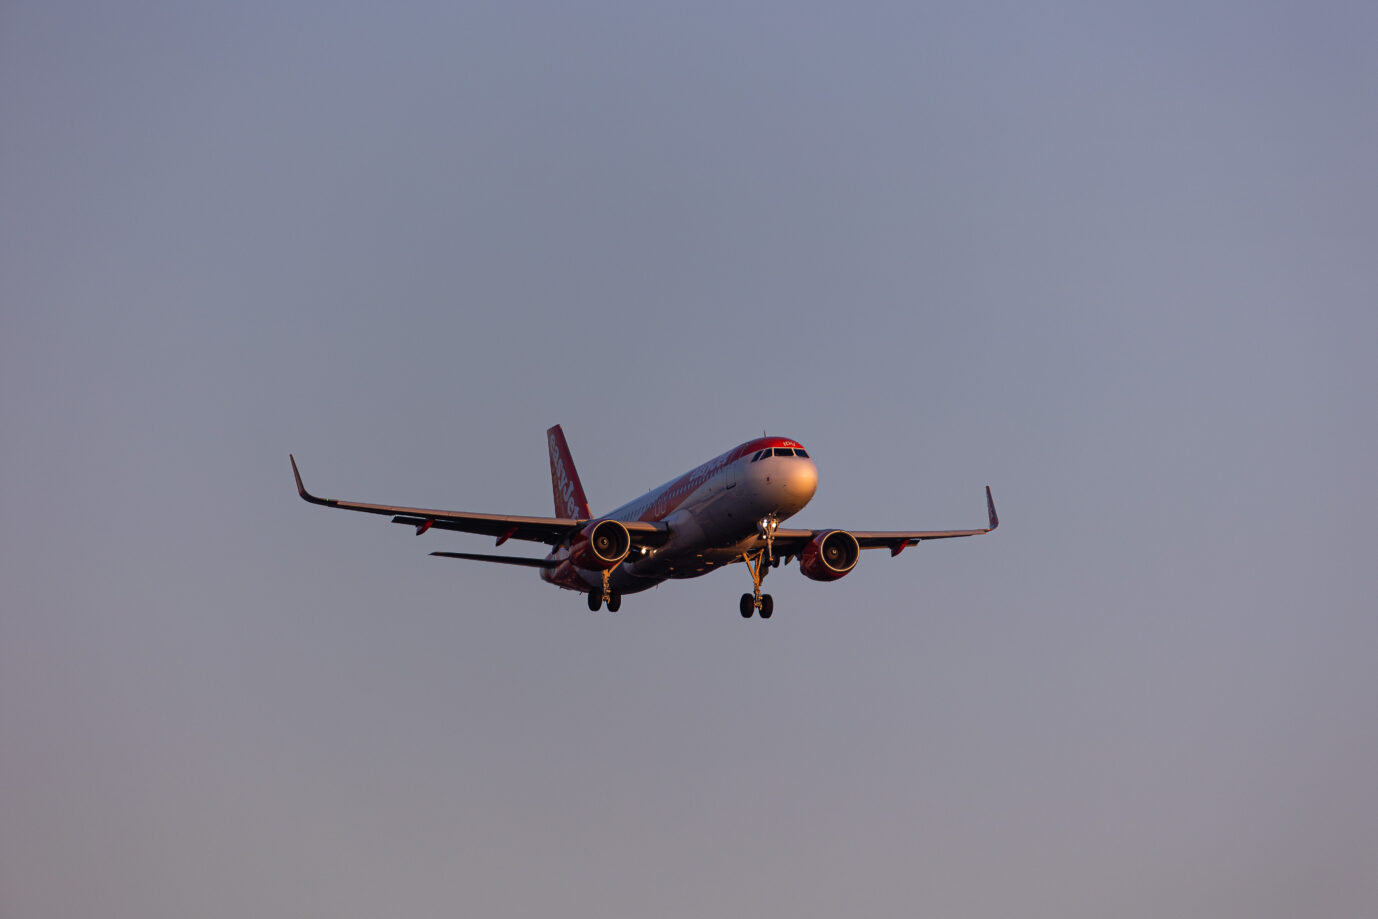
500,559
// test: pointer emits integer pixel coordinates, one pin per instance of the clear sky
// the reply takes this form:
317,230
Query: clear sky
1119,261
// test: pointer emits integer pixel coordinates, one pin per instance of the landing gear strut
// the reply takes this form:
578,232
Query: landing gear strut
758,564
612,598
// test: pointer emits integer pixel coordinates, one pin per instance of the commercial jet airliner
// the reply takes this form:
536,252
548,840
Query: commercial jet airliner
727,510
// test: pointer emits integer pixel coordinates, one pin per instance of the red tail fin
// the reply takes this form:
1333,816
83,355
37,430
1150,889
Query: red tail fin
569,494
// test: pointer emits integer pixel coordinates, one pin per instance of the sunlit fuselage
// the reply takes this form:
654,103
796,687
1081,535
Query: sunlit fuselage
712,514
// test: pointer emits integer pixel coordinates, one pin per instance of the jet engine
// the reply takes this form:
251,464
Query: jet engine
600,545
828,556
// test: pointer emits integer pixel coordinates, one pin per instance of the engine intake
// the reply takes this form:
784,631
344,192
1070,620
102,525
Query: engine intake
829,556
600,545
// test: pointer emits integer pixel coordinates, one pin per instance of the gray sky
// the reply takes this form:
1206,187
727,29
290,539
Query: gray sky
1118,261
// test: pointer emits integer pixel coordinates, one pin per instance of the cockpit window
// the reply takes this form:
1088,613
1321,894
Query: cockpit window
778,451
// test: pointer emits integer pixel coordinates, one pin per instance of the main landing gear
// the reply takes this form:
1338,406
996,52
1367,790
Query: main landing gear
764,602
758,564
596,601
612,598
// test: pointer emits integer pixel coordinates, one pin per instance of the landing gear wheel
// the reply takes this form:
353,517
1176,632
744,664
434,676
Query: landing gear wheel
595,600
757,565
614,602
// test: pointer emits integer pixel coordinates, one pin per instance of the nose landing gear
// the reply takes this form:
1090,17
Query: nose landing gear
758,564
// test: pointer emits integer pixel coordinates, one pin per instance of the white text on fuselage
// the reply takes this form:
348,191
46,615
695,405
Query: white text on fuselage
563,482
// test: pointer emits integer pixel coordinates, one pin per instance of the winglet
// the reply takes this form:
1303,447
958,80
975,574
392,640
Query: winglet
990,510
301,489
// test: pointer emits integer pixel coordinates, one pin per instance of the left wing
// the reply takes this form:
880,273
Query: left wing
792,542
503,559
549,530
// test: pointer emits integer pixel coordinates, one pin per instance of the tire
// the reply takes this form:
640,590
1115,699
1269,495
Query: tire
614,602
748,605
767,606
595,600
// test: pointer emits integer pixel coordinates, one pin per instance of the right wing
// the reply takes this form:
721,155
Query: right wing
792,542
549,530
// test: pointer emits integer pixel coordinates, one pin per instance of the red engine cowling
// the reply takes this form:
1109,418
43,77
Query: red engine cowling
828,556
600,545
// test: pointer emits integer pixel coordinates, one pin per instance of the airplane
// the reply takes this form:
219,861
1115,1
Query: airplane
724,511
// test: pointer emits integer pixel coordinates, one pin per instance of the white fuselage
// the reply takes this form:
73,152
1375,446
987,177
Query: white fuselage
712,514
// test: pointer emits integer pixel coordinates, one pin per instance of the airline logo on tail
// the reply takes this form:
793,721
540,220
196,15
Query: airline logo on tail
564,479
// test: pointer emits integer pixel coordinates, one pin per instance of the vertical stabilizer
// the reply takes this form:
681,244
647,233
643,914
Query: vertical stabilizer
569,494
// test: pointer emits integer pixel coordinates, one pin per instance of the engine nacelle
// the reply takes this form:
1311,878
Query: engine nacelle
600,545
828,556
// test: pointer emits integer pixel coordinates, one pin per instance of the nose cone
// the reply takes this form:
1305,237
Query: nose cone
800,481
